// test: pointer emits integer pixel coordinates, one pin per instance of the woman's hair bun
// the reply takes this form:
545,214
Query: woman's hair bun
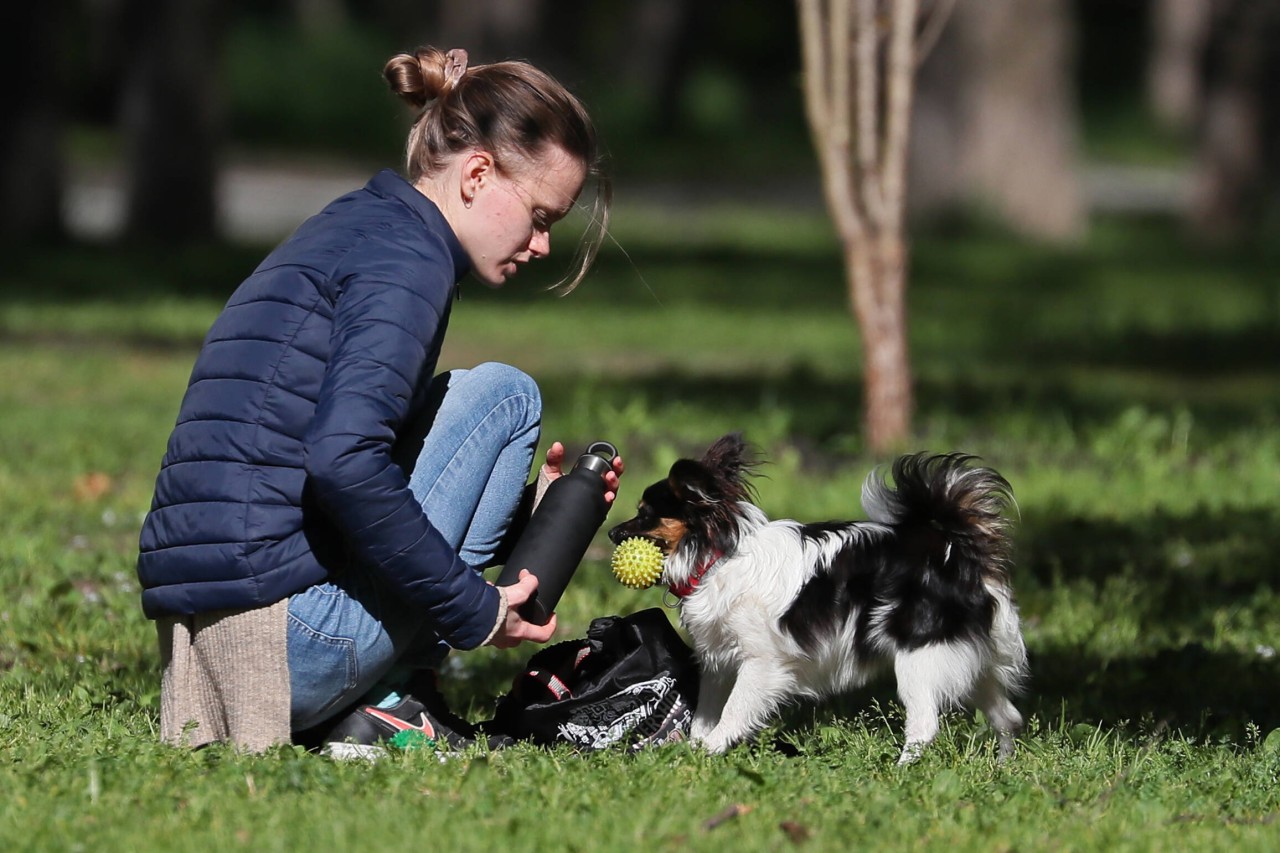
419,78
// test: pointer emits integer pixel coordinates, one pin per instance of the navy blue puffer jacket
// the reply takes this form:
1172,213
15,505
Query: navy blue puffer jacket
280,469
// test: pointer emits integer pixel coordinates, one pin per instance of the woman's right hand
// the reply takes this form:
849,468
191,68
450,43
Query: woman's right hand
515,629
553,469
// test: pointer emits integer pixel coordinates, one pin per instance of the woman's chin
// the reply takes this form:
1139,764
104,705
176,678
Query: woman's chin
497,277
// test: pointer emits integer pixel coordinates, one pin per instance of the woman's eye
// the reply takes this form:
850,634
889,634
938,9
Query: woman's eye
541,221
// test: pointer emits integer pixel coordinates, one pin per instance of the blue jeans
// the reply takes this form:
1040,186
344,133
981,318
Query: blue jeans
467,461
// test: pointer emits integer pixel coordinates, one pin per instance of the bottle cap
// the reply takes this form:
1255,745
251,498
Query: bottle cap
592,460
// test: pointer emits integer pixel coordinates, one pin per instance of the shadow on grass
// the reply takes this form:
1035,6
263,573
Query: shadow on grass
1196,353
995,289
1184,577
1206,694
823,414
1185,564
1189,691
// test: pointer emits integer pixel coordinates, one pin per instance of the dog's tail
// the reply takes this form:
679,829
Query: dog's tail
955,509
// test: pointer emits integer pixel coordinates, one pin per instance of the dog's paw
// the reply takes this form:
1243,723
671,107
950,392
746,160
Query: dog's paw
911,753
715,742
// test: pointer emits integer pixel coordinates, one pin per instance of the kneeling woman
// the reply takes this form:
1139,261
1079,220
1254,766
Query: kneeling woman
326,501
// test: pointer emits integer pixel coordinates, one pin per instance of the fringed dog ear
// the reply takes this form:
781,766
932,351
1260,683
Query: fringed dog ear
692,483
721,475
730,462
728,454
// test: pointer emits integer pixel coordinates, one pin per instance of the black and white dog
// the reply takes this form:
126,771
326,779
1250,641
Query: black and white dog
779,610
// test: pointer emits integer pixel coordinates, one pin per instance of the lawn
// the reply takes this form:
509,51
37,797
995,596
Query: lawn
1127,388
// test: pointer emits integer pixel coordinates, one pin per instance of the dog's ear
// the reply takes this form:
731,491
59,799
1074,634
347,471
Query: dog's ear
730,455
692,483
719,476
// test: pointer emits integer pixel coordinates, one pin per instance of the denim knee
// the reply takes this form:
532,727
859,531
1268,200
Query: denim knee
511,382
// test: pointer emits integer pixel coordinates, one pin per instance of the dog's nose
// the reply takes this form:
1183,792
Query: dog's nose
616,535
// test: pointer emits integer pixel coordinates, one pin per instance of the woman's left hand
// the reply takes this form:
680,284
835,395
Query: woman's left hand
552,469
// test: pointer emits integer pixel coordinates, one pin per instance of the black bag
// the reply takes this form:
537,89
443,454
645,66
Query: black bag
632,681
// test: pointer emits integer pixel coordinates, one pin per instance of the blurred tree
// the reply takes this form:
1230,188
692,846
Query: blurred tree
860,58
30,129
998,120
319,17
1179,30
171,118
937,120
491,29
658,55
1238,152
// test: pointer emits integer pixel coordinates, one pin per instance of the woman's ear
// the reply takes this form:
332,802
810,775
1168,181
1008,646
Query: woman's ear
477,168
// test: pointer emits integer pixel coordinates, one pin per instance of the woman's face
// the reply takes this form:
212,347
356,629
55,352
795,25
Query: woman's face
509,220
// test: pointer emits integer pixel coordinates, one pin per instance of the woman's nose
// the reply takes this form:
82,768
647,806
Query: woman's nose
540,243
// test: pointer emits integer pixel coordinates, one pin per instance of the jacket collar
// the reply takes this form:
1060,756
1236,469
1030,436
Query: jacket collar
388,184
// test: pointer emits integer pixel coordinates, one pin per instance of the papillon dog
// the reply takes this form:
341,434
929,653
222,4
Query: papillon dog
782,610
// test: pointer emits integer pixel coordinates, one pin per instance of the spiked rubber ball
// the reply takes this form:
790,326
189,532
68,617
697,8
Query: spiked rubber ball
637,563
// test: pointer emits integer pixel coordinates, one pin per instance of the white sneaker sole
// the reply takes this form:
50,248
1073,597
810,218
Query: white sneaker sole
353,751
366,752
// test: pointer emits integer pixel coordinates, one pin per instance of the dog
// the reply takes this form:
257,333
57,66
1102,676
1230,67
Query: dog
781,610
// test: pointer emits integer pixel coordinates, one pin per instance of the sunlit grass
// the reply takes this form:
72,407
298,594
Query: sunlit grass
1126,389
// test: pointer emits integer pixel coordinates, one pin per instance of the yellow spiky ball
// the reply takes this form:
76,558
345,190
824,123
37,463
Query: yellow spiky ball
637,562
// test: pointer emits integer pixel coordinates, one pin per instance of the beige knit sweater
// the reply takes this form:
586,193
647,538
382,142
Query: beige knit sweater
225,678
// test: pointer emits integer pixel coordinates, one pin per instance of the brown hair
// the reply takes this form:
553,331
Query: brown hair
510,109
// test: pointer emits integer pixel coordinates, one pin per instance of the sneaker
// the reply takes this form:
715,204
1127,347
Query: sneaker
368,730
425,687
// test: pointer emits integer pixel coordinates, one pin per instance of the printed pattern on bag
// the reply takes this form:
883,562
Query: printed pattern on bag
601,726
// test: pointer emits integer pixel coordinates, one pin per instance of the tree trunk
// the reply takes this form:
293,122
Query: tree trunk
31,184
859,62
938,122
877,275
1179,31
1239,131
658,52
171,120
1018,143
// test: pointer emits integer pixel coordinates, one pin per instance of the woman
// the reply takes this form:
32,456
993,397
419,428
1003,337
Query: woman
326,502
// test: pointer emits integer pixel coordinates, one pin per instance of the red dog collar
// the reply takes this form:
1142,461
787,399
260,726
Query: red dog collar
684,590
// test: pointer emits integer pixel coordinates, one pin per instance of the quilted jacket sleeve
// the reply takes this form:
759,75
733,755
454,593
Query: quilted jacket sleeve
383,333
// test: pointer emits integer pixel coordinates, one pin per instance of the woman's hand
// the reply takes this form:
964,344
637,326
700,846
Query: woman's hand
515,629
552,469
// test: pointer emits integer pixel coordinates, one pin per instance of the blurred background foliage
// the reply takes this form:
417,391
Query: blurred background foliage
1143,106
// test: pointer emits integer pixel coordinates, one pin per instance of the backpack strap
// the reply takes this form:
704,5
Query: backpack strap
558,689
554,684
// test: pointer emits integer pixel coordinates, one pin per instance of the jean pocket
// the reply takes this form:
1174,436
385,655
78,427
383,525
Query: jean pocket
324,672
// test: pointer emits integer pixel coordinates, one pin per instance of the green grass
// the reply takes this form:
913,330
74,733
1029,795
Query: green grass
1127,389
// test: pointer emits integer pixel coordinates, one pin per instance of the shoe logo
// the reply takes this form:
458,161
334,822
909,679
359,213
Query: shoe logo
404,725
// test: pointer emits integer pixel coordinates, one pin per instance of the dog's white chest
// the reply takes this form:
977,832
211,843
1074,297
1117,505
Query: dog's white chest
727,624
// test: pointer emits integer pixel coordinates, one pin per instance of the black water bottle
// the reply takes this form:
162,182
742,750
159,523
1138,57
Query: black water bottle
560,530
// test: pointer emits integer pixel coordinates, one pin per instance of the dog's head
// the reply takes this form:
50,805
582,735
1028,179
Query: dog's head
697,505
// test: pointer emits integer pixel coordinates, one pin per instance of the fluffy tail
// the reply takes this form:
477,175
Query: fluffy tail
957,509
